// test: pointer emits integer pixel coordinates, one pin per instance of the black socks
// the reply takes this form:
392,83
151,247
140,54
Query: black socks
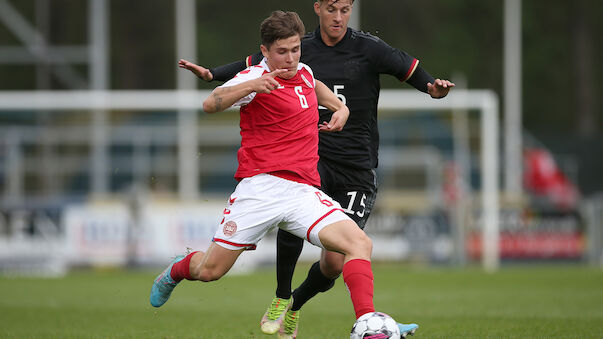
315,282
288,249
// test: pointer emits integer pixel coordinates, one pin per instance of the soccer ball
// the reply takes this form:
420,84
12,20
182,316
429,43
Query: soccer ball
375,325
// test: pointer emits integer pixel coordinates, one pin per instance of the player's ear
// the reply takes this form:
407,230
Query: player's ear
317,7
264,51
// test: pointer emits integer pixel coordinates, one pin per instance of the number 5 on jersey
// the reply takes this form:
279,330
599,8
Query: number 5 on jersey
341,97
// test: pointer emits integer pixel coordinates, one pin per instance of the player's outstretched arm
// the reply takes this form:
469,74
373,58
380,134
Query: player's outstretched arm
439,88
200,71
329,100
222,98
223,72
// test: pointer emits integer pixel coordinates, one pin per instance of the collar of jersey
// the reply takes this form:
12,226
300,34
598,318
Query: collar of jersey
341,42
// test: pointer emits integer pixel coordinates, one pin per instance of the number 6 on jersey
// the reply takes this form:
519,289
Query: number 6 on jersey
302,97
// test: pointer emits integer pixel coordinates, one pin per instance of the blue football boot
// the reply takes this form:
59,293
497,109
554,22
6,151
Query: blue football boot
407,329
164,285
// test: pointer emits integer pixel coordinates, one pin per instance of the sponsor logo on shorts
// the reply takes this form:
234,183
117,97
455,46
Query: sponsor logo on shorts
229,228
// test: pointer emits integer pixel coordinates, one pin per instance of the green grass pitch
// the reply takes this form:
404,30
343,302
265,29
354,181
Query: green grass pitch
531,301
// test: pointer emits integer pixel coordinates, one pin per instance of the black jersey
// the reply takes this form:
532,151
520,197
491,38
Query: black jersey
351,69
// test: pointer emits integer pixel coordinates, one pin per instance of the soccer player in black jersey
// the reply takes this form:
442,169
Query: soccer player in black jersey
349,62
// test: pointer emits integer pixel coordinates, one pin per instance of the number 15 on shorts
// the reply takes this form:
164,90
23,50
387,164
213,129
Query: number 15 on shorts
362,206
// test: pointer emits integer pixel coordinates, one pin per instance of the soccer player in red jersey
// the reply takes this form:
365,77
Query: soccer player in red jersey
350,62
277,172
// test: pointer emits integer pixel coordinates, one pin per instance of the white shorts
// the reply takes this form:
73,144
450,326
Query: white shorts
264,201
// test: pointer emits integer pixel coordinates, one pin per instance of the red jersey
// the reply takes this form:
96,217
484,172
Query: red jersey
279,130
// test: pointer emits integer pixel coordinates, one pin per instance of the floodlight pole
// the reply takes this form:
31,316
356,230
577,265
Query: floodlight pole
490,189
186,48
462,179
512,99
98,52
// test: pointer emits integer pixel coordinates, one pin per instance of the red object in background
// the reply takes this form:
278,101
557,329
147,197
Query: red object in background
451,187
532,245
543,177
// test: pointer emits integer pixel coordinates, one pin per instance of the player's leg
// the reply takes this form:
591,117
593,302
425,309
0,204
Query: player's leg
319,219
358,207
315,282
213,264
322,275
204,266
339,233
321,278
331,263
288,249
239,230
347,238
312,215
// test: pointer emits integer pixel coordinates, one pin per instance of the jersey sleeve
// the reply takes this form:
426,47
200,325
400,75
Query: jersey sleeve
248,74
228,71
420,78
390,60
254,59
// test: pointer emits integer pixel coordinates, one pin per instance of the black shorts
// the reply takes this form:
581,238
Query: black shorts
354,189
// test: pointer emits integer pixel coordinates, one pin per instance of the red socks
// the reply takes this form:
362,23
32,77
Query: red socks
181,270
358,277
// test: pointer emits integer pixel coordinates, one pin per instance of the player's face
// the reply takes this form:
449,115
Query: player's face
333,16
284,54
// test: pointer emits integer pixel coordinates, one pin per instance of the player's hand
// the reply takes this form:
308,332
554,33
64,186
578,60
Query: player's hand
267,82
199,71
338,120
439,88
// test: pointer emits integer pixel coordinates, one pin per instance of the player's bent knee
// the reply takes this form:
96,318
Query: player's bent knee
360,246
361,243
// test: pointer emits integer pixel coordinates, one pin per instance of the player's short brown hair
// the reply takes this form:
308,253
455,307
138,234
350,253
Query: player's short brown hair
281,25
